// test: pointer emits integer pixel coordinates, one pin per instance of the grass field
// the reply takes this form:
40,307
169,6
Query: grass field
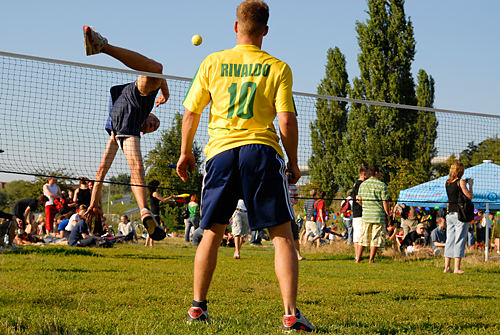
131,289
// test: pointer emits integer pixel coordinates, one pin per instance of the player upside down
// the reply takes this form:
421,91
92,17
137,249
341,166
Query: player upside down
129,114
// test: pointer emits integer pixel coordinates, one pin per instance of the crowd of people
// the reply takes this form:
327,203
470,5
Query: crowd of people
65,219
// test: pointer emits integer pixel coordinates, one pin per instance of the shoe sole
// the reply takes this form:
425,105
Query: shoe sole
157,233
86,38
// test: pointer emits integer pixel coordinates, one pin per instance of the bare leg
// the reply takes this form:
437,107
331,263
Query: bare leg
106,161
447,261
359,253
238,241
205,260
132,151
302,237
297,249
373,252
132,59
285,265
458,262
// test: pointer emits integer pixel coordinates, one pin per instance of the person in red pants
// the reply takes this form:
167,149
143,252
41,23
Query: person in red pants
51,191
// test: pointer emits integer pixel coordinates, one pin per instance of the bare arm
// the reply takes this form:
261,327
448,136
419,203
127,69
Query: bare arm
387,207
162,199
75,195
186,160
467,192
290,138
165,93
46,191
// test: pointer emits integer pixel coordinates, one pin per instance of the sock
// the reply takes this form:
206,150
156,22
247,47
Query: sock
201,304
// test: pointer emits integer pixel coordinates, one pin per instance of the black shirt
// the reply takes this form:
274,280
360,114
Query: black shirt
83,197
453,192
155,204
357,211
411,238
20,207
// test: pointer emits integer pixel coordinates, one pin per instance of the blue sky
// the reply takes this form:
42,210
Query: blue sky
457,40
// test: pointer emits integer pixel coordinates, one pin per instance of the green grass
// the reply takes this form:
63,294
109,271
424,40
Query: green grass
131,289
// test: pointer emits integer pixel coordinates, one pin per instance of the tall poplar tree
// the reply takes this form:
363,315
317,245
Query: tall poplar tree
393,138
330,125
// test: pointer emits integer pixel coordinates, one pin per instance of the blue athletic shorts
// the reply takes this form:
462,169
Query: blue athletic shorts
254,173
128,110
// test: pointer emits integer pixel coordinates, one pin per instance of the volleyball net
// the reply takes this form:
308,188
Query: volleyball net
53,114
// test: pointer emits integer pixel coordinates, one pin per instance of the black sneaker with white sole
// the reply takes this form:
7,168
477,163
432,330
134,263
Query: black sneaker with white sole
155,232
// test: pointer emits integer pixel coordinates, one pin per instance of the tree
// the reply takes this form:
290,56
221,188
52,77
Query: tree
425,130
330,125
475,154
390,137
122,184
159,164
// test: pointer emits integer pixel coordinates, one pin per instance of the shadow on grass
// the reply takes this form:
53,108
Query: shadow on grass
62,251
339,257
367,293
467,297
139,256
83,270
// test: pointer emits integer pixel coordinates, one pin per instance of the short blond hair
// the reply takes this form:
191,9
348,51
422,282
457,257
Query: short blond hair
252,16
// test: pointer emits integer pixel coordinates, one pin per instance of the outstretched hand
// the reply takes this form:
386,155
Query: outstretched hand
92,213
185,162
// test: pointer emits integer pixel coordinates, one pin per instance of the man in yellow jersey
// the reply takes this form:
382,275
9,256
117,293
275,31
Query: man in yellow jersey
246,88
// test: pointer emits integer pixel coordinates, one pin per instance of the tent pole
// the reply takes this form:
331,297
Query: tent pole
486,234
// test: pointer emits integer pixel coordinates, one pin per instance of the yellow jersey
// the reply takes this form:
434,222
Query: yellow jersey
246,88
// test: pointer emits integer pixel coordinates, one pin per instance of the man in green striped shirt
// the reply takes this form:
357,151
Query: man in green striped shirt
374,198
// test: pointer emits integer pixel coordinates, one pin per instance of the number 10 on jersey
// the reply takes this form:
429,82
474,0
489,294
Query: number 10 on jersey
245,100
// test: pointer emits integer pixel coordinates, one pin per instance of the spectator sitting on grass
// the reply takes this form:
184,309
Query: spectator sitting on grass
418,248
412,237
125,228
80,236
391,234
7,230
24,210
61,221
74,220
438,237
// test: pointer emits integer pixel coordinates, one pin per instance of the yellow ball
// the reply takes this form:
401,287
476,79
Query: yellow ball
196,40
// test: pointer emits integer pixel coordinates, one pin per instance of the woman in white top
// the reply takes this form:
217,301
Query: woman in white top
51,191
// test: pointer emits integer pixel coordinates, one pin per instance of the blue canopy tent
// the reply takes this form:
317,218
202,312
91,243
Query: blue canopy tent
433,193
